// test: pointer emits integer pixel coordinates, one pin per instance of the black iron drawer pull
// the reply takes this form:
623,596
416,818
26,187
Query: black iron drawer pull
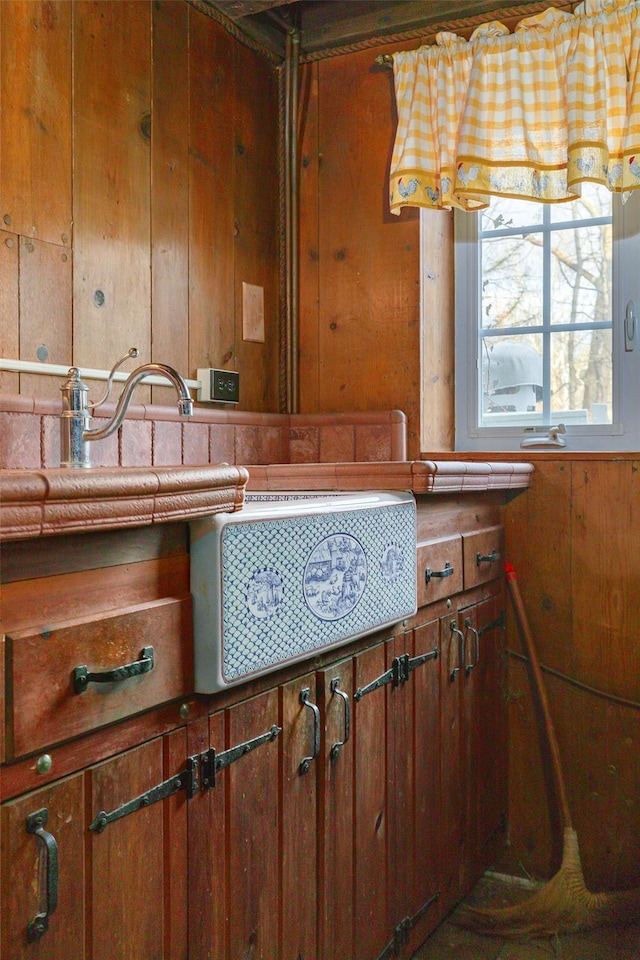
306,762
490,558
82,677
36,822
476,637
447,571
337,746
460,636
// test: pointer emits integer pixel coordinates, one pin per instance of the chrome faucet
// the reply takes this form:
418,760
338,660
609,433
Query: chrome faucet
75,420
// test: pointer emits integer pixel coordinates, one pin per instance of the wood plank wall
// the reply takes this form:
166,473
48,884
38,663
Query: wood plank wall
168,220
573,540
138,191
573,536
360,333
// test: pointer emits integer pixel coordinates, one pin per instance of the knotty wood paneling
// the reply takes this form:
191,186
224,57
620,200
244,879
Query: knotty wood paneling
9,307
309,298
256,216
174,175
35,121
170,190
45,312
111,198
573,540
211,190
368,353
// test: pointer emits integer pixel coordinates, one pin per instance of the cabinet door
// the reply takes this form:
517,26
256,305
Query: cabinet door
400,747
126,860
335,813
426,830
252,787
452,803
487,733
34,866
301,755
208,856
371,928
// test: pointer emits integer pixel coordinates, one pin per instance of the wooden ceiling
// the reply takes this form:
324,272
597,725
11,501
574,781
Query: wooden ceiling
328,27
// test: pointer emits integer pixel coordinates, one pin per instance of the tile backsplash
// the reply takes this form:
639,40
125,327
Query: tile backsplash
156,436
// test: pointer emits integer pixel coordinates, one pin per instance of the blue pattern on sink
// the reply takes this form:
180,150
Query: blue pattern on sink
293,585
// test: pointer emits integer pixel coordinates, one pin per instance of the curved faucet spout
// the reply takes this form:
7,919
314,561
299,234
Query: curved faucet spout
75,434
185,403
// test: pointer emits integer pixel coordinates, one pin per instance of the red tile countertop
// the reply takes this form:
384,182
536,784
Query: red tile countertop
419,476
53,502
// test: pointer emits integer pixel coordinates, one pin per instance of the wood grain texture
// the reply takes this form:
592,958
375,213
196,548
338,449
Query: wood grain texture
52,712
46,601
208,903
45,313
256,253
176,853
368,280
371,828
112,166
35,124
571,538
335,818
400,764
170,191
309,252
437,409
22,878
9,305
212,95
452,800
253,805
126,861
298,823
426,704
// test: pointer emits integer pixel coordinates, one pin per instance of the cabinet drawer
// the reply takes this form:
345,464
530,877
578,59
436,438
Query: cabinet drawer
483,556
52,701
439,569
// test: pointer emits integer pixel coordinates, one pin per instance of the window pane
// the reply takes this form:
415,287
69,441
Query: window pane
507,212
511,380
581,274
595,201
581,380
512,291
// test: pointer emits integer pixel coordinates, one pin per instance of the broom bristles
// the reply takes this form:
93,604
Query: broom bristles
563,905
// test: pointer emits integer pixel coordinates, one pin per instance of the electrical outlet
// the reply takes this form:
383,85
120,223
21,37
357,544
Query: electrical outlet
218,386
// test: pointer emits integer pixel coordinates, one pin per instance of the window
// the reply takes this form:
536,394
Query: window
544,336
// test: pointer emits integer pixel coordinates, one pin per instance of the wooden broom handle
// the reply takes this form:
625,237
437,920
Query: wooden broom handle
541,694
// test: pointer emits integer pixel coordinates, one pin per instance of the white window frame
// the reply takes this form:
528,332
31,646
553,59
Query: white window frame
624,433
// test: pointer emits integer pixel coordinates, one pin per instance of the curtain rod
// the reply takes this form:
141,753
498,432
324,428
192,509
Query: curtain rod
384,60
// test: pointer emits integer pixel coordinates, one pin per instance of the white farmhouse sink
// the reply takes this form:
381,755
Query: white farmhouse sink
293,574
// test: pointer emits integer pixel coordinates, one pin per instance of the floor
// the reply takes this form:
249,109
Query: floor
450,942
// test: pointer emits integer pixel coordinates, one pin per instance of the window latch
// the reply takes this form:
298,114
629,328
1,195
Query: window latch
552,439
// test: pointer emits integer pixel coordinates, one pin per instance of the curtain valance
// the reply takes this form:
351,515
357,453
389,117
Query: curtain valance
528,114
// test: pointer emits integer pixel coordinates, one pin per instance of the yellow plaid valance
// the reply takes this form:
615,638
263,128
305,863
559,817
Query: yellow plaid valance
529,114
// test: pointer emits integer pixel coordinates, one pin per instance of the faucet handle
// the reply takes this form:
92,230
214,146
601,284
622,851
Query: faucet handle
131,352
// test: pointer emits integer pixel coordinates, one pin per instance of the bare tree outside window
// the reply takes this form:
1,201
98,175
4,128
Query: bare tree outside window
546,311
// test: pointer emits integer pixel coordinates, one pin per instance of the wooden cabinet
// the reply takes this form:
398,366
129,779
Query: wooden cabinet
473,743
336,810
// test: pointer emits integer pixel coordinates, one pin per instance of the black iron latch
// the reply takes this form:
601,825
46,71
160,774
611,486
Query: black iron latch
200,774
500,621
401,932
399,672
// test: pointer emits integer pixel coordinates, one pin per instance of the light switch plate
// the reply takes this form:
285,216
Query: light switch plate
252,312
